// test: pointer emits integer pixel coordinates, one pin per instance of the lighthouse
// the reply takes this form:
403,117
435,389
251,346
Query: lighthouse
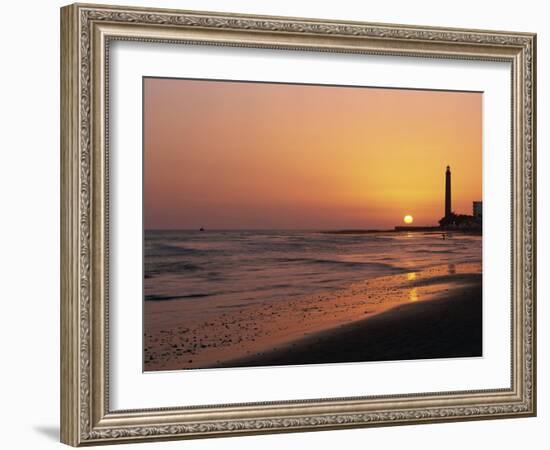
448,209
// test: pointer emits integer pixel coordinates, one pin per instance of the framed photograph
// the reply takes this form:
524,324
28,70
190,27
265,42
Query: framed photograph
274,224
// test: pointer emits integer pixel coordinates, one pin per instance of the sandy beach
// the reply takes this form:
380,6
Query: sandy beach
431,313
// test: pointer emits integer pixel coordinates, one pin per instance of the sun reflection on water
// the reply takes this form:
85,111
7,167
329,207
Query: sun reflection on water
413,295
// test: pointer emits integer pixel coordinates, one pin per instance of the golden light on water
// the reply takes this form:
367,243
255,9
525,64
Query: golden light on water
408,219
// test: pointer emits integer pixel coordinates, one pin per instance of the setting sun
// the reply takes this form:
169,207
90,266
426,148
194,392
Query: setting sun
408,219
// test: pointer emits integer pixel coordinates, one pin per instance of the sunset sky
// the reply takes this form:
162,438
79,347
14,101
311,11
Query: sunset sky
241,155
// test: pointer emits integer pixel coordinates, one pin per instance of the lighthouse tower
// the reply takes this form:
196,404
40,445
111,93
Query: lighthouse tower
448,209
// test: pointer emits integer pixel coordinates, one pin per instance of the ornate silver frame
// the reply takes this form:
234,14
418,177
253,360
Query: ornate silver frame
86,31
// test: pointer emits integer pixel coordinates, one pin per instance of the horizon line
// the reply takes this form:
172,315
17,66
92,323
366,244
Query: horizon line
285,229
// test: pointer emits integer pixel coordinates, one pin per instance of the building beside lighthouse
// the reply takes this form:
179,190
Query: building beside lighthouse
477,209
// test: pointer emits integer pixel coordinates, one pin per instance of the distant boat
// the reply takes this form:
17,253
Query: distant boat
202,229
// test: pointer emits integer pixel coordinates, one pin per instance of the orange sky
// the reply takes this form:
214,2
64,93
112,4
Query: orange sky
238,155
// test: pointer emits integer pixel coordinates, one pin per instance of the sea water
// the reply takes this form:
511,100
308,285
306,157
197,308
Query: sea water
237,267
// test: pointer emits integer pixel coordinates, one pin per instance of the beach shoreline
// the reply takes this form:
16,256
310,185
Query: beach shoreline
326,327
424,330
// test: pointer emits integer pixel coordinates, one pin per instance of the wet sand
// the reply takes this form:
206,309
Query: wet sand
432,313
445,327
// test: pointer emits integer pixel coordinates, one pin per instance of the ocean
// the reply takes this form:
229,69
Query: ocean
240,267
